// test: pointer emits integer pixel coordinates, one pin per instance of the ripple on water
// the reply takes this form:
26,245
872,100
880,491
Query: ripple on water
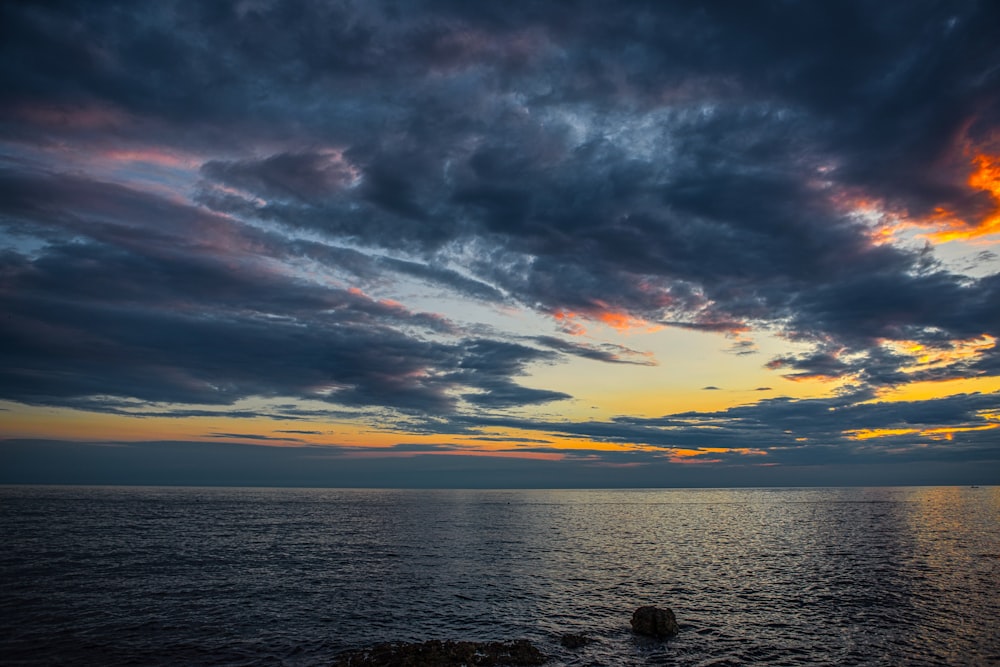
264,576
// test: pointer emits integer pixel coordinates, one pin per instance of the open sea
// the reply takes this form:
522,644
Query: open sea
224,576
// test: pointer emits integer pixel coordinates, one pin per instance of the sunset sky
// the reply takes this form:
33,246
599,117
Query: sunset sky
500,243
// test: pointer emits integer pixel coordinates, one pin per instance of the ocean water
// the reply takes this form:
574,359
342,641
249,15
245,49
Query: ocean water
203,576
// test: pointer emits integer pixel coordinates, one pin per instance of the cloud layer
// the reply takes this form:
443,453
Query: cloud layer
206,203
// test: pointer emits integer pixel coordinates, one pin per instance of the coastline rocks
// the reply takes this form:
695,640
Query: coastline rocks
650,621
436,653
654,622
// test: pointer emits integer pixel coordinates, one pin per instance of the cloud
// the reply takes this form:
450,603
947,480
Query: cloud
741,168
304,177
605,352
138,307
252,436
846,429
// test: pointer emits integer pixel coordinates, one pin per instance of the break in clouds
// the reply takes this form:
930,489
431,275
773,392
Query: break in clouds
214,201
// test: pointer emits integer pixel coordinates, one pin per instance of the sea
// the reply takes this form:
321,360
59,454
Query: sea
260,576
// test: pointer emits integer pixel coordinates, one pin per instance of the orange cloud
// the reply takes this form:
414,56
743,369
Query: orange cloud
566,320
389,452
929,357
985,178
886,222
884,225
938,433
870,433
689,456
620,321
600,312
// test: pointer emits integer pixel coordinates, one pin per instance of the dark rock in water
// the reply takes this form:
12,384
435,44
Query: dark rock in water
569,640
654,622
435,653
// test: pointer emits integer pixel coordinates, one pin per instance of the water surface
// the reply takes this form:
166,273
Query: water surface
151,576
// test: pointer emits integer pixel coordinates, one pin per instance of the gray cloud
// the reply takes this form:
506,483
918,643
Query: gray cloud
683,165
143,311
793,432
606,352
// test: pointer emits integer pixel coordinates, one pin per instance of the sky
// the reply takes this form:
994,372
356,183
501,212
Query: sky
516,244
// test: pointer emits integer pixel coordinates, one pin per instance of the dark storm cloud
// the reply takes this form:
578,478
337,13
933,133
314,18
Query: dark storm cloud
677,164
725,225
127,302
56,350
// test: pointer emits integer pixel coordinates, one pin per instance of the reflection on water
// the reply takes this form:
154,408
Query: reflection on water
265,576
955,559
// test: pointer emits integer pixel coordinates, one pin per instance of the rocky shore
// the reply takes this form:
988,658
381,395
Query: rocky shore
649,621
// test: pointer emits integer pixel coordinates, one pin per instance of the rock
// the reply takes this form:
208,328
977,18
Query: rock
569,640
654,622
435,653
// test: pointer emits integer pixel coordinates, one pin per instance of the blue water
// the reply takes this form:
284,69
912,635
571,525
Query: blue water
150,576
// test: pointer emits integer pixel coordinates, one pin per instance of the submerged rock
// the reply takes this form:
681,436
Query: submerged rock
436,653
570,640
654,622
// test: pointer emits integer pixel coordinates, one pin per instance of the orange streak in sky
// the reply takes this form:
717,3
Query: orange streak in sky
938,433
925,357
389,453
620,321
869,433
